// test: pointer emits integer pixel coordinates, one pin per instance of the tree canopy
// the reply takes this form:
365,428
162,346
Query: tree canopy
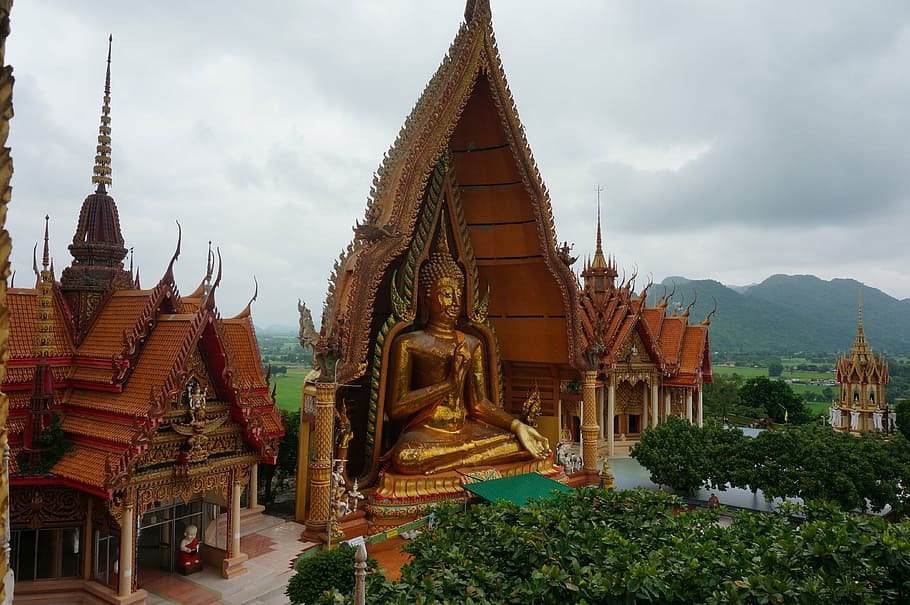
812,462
604,546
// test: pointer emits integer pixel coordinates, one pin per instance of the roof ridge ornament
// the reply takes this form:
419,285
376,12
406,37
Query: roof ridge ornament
101,174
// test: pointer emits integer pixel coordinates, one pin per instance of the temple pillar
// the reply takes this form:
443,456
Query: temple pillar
321,466
253,495
689,406
668,409
701,409
88,540
589,428
599,392
611,413
127,536
233,564
644,407
655,404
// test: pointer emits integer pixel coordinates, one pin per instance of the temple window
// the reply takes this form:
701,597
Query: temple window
106,560
46,554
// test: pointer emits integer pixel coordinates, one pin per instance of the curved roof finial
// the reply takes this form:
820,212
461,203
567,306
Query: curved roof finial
170,266
210,298
101,174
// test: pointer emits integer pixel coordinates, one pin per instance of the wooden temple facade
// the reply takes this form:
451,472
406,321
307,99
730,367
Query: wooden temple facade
134,413
861,406
600,363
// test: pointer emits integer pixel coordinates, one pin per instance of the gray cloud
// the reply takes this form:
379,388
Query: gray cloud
734,140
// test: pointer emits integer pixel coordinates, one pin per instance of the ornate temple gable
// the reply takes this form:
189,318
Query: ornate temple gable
471,72
164,298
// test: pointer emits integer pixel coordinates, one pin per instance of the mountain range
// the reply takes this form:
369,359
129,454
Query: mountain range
787,314
782,315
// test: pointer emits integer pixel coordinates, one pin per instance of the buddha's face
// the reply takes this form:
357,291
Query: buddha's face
445,301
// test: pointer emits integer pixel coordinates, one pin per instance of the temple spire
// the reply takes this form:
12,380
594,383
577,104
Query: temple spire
47,257
102,172
860,346
599,261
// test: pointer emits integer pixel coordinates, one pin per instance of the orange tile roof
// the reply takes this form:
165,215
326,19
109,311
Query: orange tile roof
85,464
154,364
272,423
19,400
120,432
693,348
247,360
86,373
670,337
119,315
22,303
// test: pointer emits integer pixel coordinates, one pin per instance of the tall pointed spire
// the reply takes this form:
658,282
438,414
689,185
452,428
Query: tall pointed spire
599,261
43,335
98,250
598,274
102,172
860,346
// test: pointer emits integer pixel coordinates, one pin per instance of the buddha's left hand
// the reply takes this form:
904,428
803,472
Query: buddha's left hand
531,440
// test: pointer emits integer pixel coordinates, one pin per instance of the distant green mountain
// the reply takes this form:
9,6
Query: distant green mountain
791,313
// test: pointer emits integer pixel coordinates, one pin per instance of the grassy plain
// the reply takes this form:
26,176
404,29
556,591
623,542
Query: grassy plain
289,387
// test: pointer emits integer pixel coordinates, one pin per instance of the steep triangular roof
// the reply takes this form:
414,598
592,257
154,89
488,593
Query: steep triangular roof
466,110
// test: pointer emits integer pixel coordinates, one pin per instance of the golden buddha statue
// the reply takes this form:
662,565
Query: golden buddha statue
438,387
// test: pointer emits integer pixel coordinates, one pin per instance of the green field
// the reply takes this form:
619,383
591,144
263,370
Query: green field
801,388
289,387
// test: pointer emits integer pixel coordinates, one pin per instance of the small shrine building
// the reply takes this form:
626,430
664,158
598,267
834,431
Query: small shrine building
135,415
861,406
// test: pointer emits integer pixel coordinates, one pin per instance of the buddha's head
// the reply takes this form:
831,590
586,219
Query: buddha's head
442,282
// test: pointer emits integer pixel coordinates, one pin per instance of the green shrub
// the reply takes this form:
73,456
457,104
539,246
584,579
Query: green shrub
326,570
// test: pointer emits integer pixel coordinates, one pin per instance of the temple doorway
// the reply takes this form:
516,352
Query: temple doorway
161,530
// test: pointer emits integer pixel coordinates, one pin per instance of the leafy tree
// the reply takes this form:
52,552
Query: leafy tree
604,546
903,417
721,397
287,454
774,399
775,368
674,453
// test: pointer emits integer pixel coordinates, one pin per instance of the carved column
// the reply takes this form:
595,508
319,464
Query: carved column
321,465
689,405
127,537
611,414
589,426
655,404
600,410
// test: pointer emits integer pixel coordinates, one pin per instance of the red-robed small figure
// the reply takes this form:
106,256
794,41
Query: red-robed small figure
189,548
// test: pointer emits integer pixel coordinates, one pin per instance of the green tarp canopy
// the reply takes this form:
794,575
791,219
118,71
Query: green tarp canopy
518,489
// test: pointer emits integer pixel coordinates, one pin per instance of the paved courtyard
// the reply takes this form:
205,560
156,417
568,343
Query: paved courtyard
270,542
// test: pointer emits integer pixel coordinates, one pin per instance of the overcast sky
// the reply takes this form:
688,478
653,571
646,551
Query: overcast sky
733,140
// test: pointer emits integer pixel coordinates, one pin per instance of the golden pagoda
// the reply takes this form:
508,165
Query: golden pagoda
861,405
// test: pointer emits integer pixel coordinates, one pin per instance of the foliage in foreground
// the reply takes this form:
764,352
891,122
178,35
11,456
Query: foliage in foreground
324,571
812,462
604,546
